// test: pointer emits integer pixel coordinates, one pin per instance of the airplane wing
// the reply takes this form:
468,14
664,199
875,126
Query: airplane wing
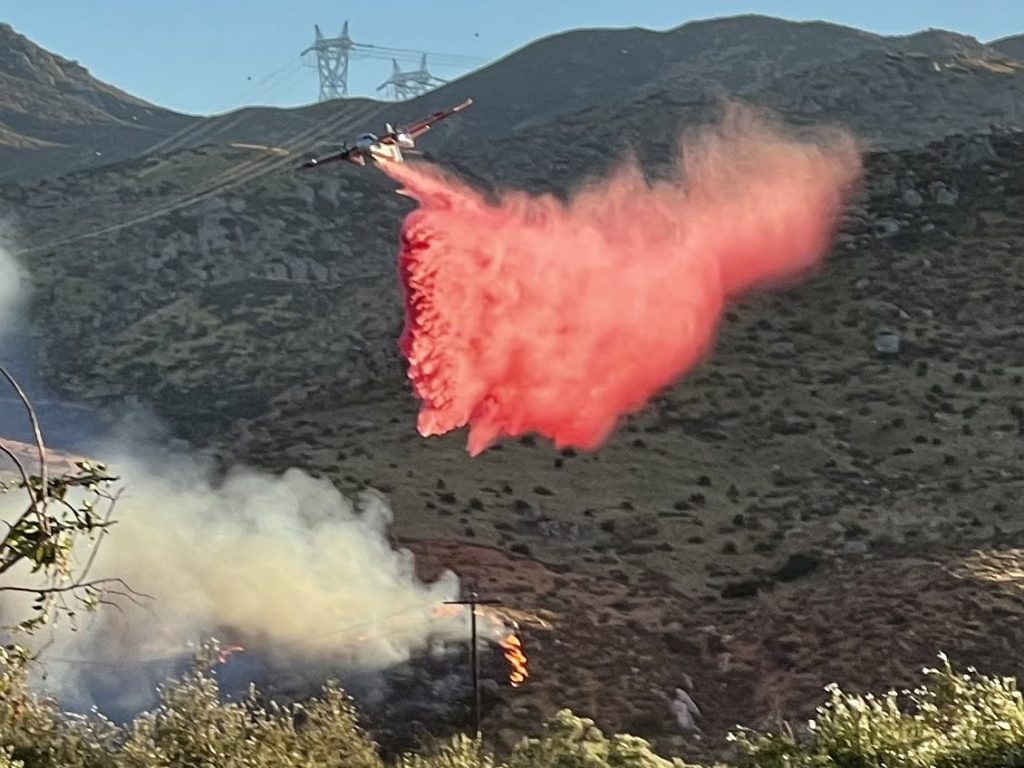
334,157
422,126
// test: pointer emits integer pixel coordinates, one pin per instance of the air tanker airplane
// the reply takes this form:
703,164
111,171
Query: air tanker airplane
390,145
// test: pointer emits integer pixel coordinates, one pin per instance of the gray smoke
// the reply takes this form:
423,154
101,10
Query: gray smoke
71,425
286,566
13,291
14,295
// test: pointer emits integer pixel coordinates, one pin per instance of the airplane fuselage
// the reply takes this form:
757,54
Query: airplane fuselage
389,146
366,141
370,145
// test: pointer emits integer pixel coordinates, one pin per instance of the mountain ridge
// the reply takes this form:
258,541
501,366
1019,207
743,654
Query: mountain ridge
1011,46
548,79
64,117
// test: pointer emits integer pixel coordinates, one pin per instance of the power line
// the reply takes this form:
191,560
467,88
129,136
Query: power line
389,618
269,83
200,126
245,172
444,59
331,57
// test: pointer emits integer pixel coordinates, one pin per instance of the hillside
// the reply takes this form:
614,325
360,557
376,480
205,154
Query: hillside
800,511
811,71
56,117
28,456
794,466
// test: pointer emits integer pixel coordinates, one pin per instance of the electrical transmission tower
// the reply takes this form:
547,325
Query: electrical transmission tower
331,55
410,83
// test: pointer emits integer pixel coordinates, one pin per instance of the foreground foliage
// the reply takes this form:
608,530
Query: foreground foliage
191,727
568,742
58,510
954,720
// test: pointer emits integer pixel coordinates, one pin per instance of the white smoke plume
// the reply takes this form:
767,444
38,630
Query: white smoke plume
286,566
13,290
14,296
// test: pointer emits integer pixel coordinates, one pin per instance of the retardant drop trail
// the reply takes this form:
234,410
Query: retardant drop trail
534,315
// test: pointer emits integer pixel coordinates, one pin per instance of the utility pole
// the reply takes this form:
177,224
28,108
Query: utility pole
472,602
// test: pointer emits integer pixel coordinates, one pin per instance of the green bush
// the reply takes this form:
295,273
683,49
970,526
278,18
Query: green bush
953,721
34,733
568,742
460,752
193,727
575,742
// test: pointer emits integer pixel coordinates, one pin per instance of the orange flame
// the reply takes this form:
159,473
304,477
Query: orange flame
513,647
509,641
227,651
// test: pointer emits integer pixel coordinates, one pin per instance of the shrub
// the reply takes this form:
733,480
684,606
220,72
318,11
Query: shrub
953,721
568,742
192,727
574,742
460,752
34,733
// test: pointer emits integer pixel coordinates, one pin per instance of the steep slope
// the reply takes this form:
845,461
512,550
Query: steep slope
66,118
792,515
895,99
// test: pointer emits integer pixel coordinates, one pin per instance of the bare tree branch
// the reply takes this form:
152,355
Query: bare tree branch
17,463
37,432
43,536
127,592
103,532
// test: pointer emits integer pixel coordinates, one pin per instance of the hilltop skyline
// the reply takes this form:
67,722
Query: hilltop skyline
206,59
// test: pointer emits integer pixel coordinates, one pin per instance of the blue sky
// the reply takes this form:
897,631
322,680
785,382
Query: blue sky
198,55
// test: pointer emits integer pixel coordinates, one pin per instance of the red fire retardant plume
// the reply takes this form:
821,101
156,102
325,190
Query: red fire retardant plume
534,315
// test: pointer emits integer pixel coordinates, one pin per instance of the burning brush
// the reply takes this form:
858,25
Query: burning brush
504,632
507,631
513,648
